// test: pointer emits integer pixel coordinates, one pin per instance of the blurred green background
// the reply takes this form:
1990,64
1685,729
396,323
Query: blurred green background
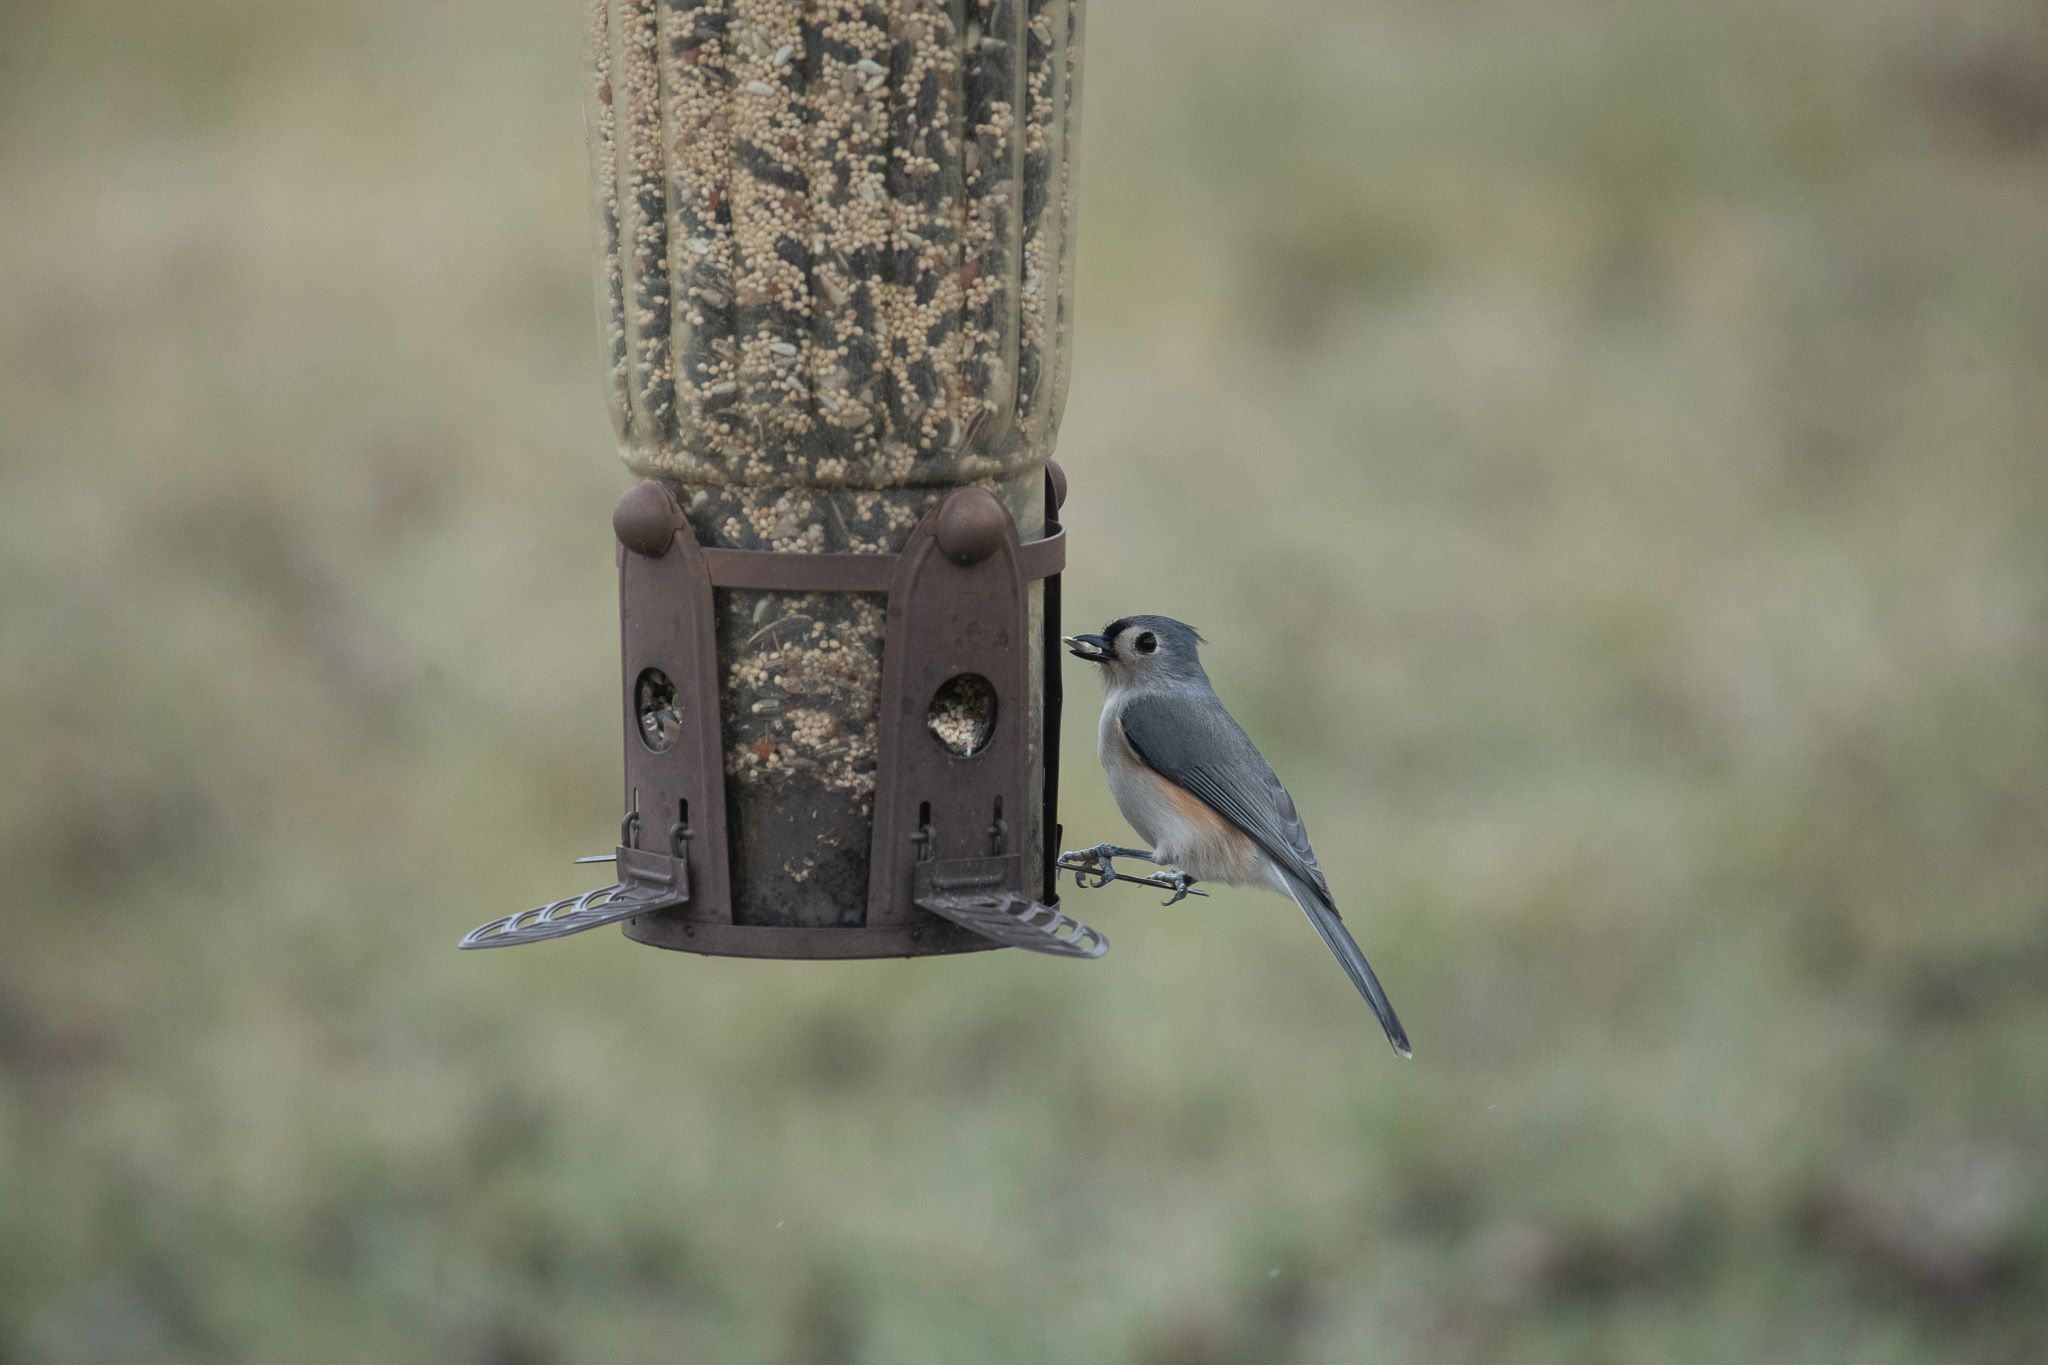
1605,443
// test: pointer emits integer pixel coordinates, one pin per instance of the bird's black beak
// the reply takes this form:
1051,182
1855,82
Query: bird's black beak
1093,648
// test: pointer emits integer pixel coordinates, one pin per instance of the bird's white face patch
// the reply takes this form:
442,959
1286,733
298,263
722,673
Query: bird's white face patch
1136,644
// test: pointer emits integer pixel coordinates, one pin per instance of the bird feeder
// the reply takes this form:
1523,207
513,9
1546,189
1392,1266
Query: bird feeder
835,287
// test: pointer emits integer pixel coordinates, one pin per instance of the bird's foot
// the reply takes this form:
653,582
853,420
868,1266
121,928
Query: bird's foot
1096,862
1178,882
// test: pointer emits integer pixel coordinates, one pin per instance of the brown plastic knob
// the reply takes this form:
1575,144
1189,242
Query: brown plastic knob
645,519
971,525
1059,484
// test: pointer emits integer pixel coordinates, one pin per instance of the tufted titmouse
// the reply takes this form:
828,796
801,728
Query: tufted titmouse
1189,779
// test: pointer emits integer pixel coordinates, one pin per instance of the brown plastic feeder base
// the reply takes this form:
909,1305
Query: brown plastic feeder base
768,940
948,871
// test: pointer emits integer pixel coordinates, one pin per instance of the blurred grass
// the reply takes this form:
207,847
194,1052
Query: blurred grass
1605,444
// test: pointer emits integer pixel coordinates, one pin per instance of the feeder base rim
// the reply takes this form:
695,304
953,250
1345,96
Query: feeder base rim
933,938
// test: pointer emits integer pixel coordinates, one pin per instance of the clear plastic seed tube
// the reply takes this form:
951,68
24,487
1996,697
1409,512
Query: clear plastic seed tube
835,281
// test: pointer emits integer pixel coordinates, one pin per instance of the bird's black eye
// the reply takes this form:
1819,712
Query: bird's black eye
1146,642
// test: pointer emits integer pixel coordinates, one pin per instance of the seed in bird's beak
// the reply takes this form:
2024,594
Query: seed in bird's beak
1093,648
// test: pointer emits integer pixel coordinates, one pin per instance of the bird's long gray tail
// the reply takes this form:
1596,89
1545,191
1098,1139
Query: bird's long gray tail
1323,916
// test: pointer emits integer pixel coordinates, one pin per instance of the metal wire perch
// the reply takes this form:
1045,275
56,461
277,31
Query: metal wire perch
1095,862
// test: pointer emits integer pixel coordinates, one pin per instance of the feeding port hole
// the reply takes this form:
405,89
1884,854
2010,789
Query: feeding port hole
654,701
962,716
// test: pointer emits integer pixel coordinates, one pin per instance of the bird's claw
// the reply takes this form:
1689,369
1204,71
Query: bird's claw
1098,862
1083,862
1080,863
1176,881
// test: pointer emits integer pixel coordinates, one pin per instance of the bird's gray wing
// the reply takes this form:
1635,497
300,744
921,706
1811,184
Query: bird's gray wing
1190,740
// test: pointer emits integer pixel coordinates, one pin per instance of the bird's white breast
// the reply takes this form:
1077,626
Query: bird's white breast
1135,790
